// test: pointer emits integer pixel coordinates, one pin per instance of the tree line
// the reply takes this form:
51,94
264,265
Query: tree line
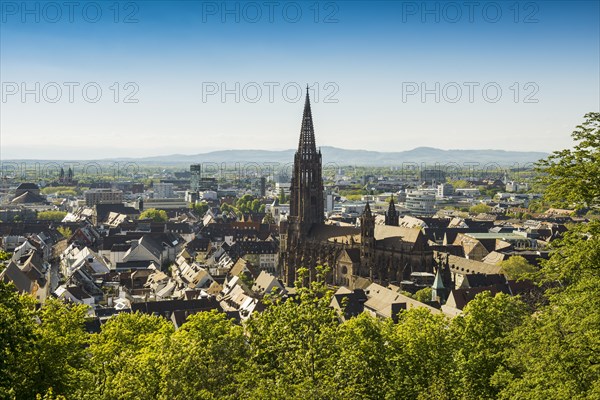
500,347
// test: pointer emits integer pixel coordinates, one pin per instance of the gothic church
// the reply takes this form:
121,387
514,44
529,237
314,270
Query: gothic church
383,253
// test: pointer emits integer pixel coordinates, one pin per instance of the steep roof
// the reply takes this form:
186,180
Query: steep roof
353,254
151,245
331,232
494,258
405,234
13,274
465,266
381,300
263,281
28,198
459,298
479,280
28,186
166,307
354,302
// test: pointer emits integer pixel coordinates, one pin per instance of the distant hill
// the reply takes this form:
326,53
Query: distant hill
428,155
337,156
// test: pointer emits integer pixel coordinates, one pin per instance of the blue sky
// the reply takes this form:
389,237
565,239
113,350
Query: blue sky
368,63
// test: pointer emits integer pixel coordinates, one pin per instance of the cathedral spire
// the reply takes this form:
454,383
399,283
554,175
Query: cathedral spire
306,198
306,190
367,211
307,144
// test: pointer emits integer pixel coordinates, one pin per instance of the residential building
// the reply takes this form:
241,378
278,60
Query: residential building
103,196
163,190
420,202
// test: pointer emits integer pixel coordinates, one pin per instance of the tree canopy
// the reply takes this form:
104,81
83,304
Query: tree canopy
51,215
480,208
155,215
571,175
517,267
200,208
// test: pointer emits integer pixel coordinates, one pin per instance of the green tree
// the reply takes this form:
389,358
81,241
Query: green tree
460,184
247,279
5,255
423,295
479,208
65,231
362,369
537,206
246,203
60,348
59,190
228,208
480,332
517,267
155,215
283,199
204,358
269,219
49,395
126,358
489,192
51,215
555,354
200,208
571,175
574,256
17,343
354,197
421,353
291,345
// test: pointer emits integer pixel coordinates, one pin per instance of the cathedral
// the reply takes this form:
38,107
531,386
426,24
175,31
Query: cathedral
380,252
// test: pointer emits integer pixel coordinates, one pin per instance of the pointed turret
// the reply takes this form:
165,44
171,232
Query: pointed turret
367,241
392,216
438,292
367,210
367,222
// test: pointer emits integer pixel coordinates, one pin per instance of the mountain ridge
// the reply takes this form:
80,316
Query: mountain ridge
336,155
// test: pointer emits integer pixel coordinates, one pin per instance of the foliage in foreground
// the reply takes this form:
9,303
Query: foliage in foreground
298,349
